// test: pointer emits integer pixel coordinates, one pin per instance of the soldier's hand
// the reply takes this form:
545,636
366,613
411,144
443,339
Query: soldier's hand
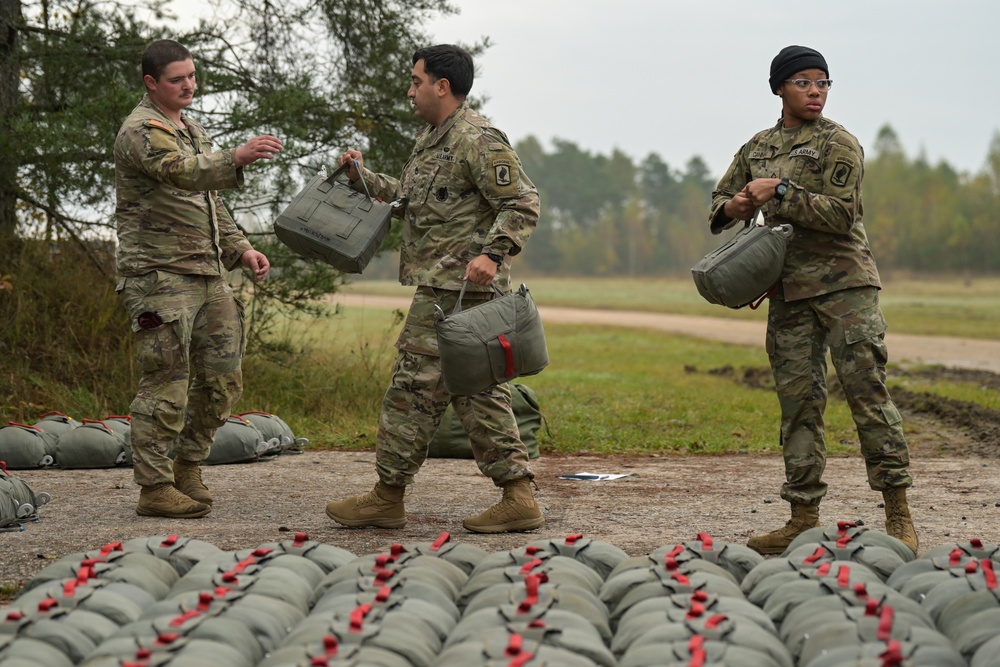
257,263
354,161
482,270
264,147
739,207
761,190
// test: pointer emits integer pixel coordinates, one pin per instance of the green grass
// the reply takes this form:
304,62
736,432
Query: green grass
606,390
967,308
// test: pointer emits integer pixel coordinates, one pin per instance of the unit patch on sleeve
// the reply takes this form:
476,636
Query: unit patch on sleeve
842,170
501,173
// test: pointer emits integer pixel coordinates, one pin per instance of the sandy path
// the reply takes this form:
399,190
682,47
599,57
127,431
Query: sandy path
945,350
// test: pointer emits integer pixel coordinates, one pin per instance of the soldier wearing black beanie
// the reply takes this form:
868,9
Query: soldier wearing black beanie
805,171
792,59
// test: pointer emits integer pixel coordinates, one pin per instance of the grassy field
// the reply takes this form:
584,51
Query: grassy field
606,390
967,308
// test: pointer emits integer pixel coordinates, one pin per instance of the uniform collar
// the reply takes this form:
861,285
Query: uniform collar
148,102
433,135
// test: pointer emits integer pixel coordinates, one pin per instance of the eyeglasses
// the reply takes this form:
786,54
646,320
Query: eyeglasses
822,85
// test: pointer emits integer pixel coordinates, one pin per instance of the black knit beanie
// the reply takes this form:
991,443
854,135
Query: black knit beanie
792,59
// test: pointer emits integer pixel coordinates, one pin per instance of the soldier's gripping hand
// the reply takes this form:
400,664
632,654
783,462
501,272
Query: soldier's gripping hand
264,147
761,190
482,270
257,263
739,207
354,161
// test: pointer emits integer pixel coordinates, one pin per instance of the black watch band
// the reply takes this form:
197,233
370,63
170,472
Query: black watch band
496,257
781,189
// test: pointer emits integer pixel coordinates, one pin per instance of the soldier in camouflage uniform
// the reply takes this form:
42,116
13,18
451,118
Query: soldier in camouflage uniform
807,171
176,240
469,209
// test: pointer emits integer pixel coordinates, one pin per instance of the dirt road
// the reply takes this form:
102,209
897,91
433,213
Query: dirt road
947,351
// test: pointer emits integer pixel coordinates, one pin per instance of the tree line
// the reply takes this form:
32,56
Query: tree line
608,215
326,76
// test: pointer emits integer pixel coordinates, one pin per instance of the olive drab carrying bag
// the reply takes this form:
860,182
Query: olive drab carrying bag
744,269
490,343
330,222
451,441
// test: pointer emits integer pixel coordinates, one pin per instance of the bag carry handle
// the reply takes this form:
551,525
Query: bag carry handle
461,294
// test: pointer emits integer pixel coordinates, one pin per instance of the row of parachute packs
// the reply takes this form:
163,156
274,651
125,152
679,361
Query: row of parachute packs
840,596
57,439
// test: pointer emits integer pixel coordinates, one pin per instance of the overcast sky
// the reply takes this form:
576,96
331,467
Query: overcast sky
690,78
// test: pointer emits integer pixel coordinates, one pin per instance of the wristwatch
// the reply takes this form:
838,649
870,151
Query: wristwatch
495,256
780,189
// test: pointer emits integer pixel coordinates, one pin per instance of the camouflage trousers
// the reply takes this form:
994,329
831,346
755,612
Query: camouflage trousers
190,338
849,324
416,400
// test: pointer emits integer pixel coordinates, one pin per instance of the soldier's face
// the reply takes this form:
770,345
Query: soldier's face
174,90
800,106
423,94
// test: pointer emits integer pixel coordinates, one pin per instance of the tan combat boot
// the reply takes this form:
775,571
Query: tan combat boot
382,507
165,500
517,511
187,480
803,518
898,522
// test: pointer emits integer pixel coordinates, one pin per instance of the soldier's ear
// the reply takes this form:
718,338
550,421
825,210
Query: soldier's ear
149,82
442,87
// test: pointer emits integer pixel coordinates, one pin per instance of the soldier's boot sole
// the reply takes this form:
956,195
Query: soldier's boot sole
509,527
382,507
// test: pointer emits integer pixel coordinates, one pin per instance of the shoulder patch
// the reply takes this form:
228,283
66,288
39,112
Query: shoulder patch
152,122
842,170
502,172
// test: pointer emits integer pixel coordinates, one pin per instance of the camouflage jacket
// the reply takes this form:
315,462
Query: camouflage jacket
824,164
465,190
168,212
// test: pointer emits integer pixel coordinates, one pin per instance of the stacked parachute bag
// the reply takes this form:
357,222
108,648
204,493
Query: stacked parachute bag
967,608
80,601
94,444
461,554
857,533
24,447
388,608
273,427
678,571
181,553
514,649
600,556
562,629
110,563
535,590
233,606
772,574
881,560
879,624
27,652
18,503
891,653
239,441
553,568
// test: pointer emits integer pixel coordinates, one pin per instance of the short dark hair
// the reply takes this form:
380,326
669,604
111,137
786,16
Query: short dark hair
447,61
161,53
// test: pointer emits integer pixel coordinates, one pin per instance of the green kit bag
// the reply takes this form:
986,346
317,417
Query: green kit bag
492,342
452,442
745,268
331,222
93,444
